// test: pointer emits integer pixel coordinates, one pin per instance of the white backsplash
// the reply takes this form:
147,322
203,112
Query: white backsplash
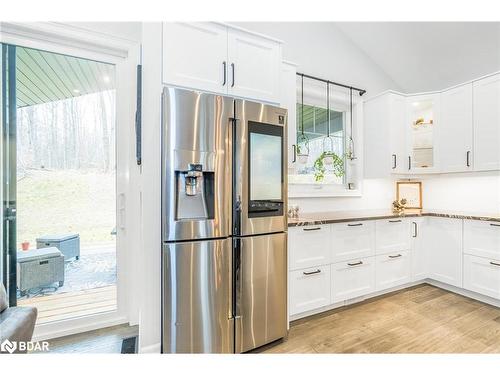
469,192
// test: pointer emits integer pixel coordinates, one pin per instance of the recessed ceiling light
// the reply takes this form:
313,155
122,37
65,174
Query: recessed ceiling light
76,91
416,104
106,79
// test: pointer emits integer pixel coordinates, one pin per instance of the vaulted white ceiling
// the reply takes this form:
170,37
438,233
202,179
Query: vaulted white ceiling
425,56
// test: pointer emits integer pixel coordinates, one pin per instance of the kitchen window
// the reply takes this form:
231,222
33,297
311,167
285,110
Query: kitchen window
327,155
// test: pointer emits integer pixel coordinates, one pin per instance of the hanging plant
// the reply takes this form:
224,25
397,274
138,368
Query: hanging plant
320,169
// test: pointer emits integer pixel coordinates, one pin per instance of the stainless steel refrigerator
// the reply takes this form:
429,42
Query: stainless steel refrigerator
224,254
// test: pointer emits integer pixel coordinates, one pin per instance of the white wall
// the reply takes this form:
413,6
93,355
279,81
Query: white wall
321,49
463,192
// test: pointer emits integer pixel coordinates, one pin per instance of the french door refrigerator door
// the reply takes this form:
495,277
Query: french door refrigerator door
197,297
260,290
259,167
196,165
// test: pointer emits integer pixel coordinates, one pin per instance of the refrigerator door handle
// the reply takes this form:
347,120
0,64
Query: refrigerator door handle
237,278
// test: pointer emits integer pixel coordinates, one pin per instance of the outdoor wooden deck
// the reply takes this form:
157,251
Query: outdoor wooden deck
73,304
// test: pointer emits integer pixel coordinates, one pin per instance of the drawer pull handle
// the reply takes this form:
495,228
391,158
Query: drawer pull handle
394,221
495,225
355,225
355,264
311,273
395,256
311,229
495,264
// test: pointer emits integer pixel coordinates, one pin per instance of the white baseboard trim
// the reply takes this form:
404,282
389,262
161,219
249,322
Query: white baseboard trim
150,349
464,292
66,328
354,300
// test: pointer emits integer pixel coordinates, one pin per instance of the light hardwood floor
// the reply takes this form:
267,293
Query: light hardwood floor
422,319
72,304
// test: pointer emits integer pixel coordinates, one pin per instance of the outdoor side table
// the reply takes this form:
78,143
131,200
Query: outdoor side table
68,244
37,268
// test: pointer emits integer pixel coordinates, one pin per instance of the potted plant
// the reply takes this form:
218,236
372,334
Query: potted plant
301,157
320,169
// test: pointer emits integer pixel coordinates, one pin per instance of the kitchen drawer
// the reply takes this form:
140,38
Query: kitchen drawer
352,279
392,235
482,238
309,246
353,240
392,269
482,275
309,289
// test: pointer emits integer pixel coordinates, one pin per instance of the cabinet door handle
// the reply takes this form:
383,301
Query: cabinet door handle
355,225
394,161
495,225
394,221
495,264
311,229
224,73
468,158
395,256
294,147
232,68
415,230
355,264
311,273
409,162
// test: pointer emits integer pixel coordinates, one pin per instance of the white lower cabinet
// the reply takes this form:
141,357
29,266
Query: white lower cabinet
482,238
419,252
444,245
309,246
482,275
392,235
309,289
392,269
353,240
352,279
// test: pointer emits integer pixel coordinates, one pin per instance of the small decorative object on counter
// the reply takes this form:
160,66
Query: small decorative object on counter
25,245
398,206
293,212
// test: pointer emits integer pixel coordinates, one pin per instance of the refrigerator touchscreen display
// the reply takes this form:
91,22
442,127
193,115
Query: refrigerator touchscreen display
265,166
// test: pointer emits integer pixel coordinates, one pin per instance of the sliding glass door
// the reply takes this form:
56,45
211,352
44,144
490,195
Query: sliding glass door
58,184
8,172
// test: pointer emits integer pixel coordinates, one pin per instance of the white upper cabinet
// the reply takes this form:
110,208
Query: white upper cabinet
218,58
195,56
254,66
288,100
456,130
384,119
486,98
397,117
422,127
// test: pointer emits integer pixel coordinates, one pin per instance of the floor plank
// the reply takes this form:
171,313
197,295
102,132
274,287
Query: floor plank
73,304
422,319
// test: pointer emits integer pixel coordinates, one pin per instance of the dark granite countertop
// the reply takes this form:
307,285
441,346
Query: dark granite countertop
360,215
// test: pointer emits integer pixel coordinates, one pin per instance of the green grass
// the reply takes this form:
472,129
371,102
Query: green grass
58,202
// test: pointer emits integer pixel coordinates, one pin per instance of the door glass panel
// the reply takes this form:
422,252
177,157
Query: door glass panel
65,166
422,133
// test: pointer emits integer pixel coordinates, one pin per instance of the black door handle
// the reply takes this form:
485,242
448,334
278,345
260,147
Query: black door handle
232,68
311,273
394,161
224,73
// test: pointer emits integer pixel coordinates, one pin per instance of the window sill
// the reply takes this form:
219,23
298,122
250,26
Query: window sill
318,190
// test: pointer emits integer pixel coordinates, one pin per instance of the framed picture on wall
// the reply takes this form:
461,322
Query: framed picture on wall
411,191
